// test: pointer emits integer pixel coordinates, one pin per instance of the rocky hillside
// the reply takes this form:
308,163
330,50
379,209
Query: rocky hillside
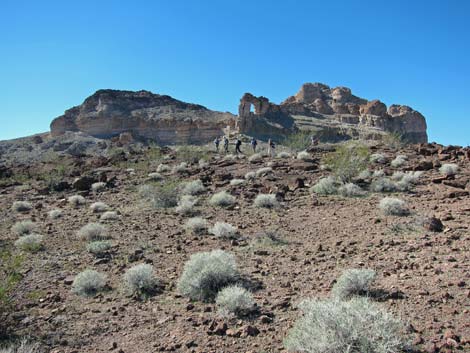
163,119
331,114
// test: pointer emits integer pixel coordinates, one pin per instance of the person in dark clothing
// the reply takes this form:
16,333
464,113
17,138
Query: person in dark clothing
254,143
271,148
217,143
225,144
238,143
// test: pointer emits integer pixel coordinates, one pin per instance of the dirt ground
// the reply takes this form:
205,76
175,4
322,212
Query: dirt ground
423,276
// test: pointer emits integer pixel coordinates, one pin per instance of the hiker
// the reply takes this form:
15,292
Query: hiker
238,143
271,147
217,143
313,141
225,144
254,143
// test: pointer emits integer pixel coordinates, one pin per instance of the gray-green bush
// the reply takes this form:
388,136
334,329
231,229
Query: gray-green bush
30,242
326,186
21,206
93,231
88,283
234,300
140,279
350,190
266,201
449,169
76,200
224,230
393,207
205,273
99,247
196,225
25,227
222,199
194,187
353,282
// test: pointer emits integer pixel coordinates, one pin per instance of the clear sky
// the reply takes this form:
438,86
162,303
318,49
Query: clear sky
53,54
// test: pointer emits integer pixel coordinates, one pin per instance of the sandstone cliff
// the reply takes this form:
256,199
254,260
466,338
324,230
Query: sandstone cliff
330,113
108,113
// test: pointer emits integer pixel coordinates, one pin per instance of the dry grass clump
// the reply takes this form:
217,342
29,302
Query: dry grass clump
92,232
99,207
196,225
222,199
88,283
365,174
54,214
264,171
326,186
234,300
140,279
304,156
266,201
236,182
353,326
399,161
21,206
30,242
449,169
154,176
186,205
109,216
350,190
194,187
224,230
383,185
353,282
163,168
24,227
99,247
250,175
98,187
377,158
160,196
254,158
203,163
205,273
76,200
393,207
378,173
181,168
283,155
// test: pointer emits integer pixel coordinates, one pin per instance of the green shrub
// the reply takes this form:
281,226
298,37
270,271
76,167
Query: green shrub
99,247
10,275
298,141
234,300
348,160
194,187
88,283
24,227
377,158
326,186
140,279
353,282
222,199
160,196
206,273
354,326
30,242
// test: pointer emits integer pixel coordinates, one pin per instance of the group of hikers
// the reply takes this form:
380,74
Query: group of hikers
253,143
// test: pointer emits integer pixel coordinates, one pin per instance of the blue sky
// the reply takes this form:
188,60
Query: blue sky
56,53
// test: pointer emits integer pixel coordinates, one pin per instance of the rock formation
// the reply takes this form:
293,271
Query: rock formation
144,115
331,114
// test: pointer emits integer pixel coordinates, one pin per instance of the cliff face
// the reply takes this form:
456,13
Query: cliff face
108,113
330,113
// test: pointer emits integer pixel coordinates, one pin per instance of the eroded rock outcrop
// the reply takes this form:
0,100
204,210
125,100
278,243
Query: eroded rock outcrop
144,115
331,113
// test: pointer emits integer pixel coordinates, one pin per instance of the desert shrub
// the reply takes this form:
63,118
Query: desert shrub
98,187
353,282
350,190
24,346
234,300
203,163
406,181
98,247
186,205
93,231
449,169
257,157
30,242
140,279
365,174
205,273
326,186
163,168
283,155
24,227
348,160
393,207
298,141
383,185
154,176
224,230
230,157
236,182
160,196
399,161
222,199
191,153
194,187
264,171
378,173
303,155
76,200
181,168
268,238
196,225
21,206
88,283
266,201
99,207
377,158
250,175
353,326
10,275
54,214
109,216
